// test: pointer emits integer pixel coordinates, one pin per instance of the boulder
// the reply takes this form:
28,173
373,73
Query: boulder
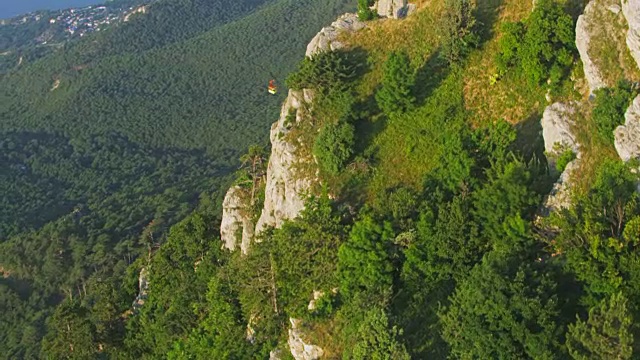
631,11
584,33
557,131
237,226
627,136
299,349
391,8
560,195
327,38
557,128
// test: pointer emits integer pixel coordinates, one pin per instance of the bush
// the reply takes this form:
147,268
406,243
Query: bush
324,71
396,94
543,47
564,159
611,104
364,10
458,36
334,146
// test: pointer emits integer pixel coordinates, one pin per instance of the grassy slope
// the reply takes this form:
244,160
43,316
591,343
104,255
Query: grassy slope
408,148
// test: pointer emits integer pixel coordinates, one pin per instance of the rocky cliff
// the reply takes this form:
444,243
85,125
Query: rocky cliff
631,11
286,188
585,31
627,136
558,133
237,226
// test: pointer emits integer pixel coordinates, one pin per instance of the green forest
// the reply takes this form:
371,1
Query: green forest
146,120
422,237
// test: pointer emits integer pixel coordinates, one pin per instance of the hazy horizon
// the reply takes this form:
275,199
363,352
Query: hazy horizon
11,8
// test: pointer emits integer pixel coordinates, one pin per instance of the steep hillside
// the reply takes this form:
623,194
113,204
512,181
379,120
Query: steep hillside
445,182
430,146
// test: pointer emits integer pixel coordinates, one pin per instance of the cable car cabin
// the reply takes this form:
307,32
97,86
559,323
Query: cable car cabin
272,87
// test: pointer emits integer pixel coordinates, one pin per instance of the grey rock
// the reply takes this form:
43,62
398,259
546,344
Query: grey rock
560,196
391,8
631,11
627,136
584,34
557,128
285,190
557,131
615,9
275,354
236,219
299,349
327,38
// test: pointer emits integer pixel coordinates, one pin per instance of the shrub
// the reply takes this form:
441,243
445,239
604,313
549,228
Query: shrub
512,35
611,104
564,159
324,71
396,94
334,146
365,12
543,47
458,35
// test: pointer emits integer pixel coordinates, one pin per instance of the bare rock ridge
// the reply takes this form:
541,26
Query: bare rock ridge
299,349
586,28
557,131
631,11
236,226
627,136
327,38
285,190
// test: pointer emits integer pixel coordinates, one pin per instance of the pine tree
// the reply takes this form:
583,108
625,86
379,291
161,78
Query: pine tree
606,335
396,94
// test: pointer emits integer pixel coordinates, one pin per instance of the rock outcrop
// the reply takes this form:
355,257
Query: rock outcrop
631,11
557,130
584,34
236,226
627,136
143,289
285,189
299,349
327,38
391,8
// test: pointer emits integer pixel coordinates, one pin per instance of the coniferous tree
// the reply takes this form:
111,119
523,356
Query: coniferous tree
606,335
396,94
457,30
377,340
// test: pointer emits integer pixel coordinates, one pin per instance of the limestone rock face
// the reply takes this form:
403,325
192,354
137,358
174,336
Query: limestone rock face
327,38
584,33
631,11
627,136
391,8
557,130
557,124
560,196
299,349
236,220
285,189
